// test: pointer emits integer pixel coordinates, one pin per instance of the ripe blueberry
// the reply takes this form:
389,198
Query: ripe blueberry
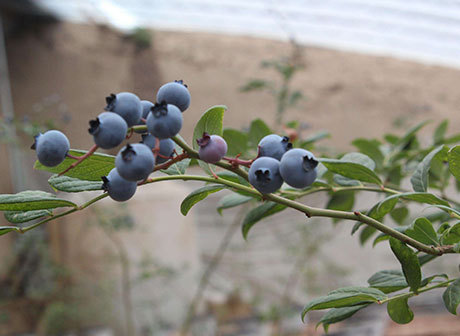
51,147
117,187
167,147
108,130
264,175
164,121
175,93
298,168
127,105
135,162
212,148
274,146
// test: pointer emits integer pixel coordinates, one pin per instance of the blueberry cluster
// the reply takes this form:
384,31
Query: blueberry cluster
134,162
278,162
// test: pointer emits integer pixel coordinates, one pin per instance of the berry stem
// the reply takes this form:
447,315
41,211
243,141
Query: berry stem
174,160
80,159
236,161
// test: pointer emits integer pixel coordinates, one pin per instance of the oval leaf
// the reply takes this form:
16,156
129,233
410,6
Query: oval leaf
351,170
451,296
335,315
25,216
211,122
422,230
388,281
409,263
6,229
32,200
419,179
345,297
399,311
91,169
72,184
453,157
452,235
257,131
256,214
237,141
198,195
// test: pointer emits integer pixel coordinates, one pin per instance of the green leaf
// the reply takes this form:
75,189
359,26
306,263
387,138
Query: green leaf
254,84
25,216
230,176
91,169
258,213
452,235
388,281
210,122
407,138
257,131
342,201
426,258
451,296
32,200
314,138
198,195
7,229
71,184
440,132
399,215
366,233
180,167
422,230
345,297
399,311
419,179
335,315
352,170
387,205
237,141
409,263
232,200
383,236
370,148
453,157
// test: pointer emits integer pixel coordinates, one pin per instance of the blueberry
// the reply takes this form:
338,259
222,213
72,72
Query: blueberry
117,187
135,162
146,107
298,168
127,105
175,93
51,147
164,121
264,175
274,146
108,130
167,147
212,148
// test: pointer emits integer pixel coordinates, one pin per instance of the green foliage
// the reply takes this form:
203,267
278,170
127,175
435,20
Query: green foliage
451,296
399,311
409,263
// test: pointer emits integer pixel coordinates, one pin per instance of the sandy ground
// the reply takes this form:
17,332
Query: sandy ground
348,94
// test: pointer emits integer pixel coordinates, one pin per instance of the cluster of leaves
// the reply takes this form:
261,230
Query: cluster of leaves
378,166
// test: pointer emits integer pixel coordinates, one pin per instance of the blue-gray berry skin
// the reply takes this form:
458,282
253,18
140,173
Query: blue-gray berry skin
108,130
135,162
274,146
175,93
298,168
212,148
117,187
51,147
264,175
167,147
164,121
127,105
146,107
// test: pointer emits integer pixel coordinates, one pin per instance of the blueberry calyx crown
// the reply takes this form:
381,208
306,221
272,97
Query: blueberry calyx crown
110,102
105,183
128,153
94,126
203,142
309,163
263,175
159,109
286,139
180,81
34,145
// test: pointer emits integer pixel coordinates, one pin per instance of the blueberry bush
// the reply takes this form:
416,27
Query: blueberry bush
271,174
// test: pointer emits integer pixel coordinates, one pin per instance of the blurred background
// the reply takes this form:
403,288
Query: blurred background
355,68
